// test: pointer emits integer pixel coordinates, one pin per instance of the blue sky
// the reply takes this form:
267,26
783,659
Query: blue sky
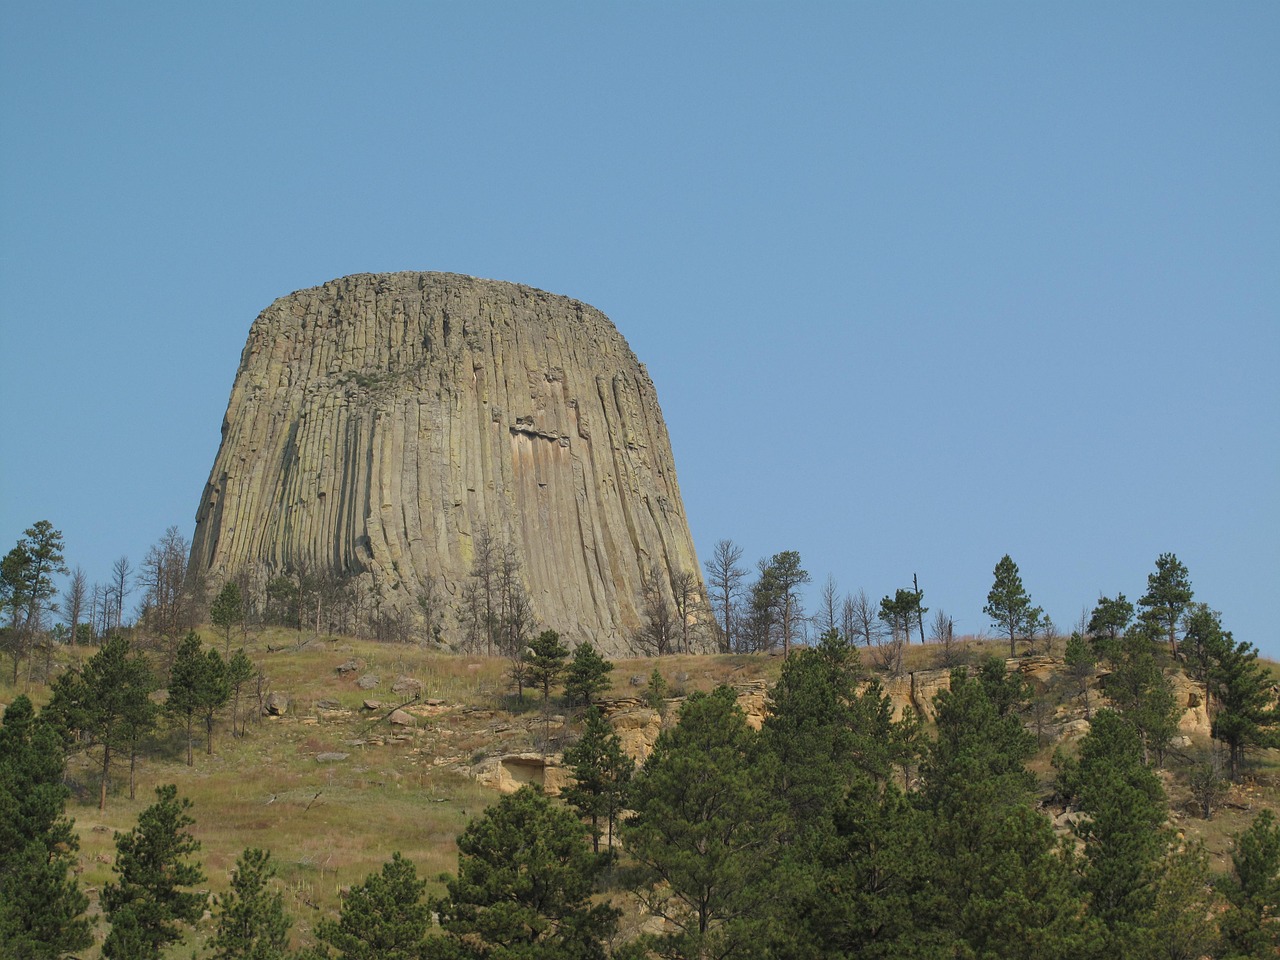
919,284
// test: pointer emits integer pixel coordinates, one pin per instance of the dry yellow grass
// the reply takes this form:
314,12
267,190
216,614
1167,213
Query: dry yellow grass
330,824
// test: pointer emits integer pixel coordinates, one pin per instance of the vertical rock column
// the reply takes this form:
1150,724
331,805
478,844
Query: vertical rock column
380,422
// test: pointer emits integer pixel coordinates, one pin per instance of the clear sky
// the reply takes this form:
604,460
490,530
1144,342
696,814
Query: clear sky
919,284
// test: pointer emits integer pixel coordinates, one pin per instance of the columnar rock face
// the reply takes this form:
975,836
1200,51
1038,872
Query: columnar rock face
380,424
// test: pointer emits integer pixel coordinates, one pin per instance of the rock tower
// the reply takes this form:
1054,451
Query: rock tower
381,424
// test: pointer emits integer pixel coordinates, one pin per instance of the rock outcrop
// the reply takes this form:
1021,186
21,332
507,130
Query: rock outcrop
381,424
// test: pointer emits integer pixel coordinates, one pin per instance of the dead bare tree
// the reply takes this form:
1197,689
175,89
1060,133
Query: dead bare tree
74,599
121,586
484,573
942,631
684,594
860,618
827,618
657,632
168,606
724,585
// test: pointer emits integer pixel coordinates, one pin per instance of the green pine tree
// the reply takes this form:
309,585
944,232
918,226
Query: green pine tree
1082,664
1168,594
1251,926
226,611
147,903
252,924
1140,690
1002,886
1242,690
1107,624
1009,605
853,850
41,904
1124,809
875,896
655,692
108,704
1184,917
383,918
586,677
706,830
546,658
601,773
26,585
240,670
523,888
197,689
824,731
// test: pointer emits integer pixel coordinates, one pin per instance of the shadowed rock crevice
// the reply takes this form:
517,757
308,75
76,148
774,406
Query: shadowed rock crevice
381,422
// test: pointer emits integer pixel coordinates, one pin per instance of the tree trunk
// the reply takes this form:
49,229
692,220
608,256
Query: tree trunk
106,769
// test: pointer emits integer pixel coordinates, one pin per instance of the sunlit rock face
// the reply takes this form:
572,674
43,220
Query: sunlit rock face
381,423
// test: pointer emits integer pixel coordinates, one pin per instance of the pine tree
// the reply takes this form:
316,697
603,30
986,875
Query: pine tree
197,689
1203,645
824,731
523,888
1142,693
26,581
851,854
1002,886
706,829
1009,605
153,863
215,693
1109,620
226,611
786,576
586,677
1250,927
546,658
901,613
1168,593
1123,829
601,773
41,905
252,924
1082,664
383,918
1183,920
875,896
1242,689
109,703
240,670
656,690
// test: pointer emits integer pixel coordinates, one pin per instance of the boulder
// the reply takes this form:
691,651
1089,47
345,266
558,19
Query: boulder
407,687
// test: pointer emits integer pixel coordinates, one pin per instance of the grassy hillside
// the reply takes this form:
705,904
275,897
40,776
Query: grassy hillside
332,788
